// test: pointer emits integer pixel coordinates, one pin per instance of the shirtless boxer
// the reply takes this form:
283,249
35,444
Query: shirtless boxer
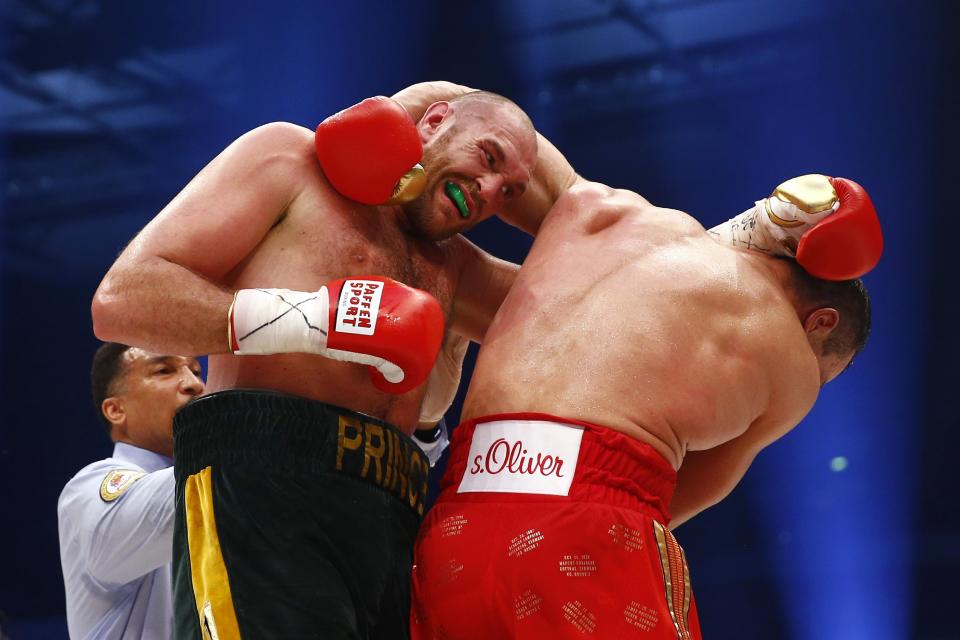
305,459
636,367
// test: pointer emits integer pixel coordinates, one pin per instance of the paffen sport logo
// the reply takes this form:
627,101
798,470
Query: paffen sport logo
522,456
358,306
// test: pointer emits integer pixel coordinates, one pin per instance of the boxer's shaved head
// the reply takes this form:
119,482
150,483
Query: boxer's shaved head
476,101
479,151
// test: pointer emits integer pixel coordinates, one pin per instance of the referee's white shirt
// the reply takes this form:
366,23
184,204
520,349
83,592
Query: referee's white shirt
116,538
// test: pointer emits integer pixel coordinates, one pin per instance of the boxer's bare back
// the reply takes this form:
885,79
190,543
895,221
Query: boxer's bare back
631,316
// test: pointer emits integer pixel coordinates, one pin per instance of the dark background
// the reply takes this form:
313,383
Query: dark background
847,528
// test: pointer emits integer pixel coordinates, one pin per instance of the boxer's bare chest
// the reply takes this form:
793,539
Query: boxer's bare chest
317,240
323,237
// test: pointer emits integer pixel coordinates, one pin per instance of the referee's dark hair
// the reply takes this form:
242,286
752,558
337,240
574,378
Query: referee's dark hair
105,372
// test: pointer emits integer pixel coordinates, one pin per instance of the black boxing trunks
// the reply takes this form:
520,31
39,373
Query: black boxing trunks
295,519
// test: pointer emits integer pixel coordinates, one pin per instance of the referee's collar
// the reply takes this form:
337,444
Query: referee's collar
146,460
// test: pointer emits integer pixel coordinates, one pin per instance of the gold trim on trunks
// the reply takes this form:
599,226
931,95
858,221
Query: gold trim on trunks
676,579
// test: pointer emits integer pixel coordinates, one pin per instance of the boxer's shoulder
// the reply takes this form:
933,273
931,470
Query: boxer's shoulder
595,194
592,207
676,221
788,364
280,132
794,386
599,203
285,142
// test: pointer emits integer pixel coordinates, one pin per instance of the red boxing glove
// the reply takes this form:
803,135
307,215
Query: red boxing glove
394,329
846,244
827,224
370,152
397,324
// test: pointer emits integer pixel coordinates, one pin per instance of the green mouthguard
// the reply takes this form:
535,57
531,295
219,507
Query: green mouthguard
457,196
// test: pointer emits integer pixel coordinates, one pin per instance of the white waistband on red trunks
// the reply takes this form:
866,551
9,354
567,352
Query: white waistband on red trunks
528,456
521,456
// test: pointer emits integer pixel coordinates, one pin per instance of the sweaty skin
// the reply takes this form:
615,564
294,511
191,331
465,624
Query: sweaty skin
632,317
262,214
636,318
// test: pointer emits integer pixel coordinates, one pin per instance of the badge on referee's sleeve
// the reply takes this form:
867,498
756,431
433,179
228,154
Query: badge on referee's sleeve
118,481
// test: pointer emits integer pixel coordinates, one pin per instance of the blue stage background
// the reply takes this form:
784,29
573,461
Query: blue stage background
847,528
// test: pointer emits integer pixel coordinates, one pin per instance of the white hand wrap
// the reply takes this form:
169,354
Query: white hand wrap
264,321
776,224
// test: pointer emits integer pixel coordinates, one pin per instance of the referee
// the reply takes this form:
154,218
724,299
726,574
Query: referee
116,515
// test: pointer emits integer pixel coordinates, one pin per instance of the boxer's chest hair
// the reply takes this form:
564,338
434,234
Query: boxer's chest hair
359,244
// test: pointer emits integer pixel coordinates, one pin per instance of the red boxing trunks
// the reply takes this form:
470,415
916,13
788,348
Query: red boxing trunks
551,528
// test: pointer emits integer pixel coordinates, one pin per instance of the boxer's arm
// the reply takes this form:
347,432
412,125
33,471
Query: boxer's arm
707,477
162,292
828,225
483,283
417,97
551,177
444,381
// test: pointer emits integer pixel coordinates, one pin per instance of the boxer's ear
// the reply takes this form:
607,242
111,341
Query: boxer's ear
820,322
433,119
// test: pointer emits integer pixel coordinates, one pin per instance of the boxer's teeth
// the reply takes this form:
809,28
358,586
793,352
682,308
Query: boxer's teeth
455,194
